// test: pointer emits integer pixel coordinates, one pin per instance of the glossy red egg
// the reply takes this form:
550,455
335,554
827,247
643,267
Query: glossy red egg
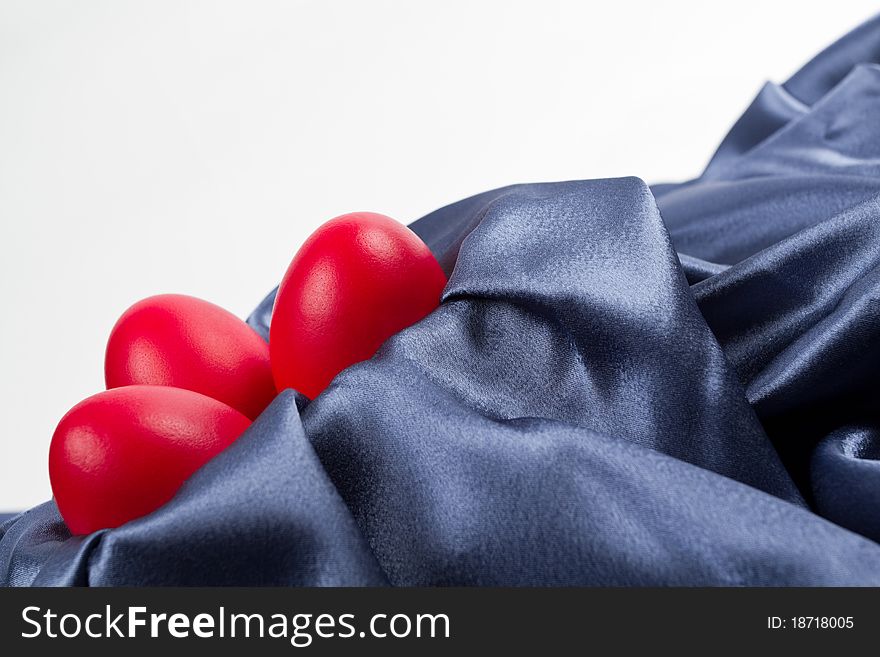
184,342
123,453
357,280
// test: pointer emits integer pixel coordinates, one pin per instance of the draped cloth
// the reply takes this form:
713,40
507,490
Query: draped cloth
623,385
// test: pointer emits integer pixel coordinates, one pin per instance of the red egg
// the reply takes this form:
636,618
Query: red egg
358,279
184,342
123,453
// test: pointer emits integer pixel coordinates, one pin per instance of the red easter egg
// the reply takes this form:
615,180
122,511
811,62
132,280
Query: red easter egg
123,453
184,342
356,281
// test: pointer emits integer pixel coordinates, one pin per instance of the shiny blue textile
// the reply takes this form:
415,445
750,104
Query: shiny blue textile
623,385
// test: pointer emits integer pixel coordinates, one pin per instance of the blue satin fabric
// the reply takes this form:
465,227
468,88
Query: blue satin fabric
624,385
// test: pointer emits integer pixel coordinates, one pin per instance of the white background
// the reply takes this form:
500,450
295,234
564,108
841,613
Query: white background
190,147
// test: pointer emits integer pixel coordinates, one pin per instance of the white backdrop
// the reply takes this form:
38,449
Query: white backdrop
190,147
